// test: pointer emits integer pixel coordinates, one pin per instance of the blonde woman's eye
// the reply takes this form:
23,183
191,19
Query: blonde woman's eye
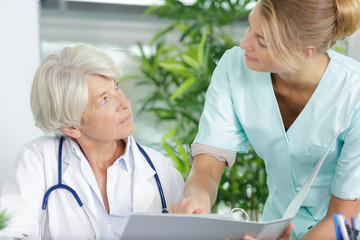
262,45
104,101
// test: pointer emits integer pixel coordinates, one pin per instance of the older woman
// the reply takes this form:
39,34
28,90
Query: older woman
92,162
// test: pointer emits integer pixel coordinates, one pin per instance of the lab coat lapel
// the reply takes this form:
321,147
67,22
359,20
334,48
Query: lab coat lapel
72,177
144,184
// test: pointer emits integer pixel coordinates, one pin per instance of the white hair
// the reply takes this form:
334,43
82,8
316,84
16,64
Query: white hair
59,93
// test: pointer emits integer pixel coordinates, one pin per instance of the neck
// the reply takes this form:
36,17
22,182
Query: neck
101,155
306,78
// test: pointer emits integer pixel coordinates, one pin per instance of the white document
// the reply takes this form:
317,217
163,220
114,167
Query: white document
199,226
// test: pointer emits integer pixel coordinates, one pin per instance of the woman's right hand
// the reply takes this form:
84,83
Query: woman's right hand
201,186
191,205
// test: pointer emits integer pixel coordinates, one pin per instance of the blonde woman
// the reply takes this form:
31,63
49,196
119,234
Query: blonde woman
84,182
284,92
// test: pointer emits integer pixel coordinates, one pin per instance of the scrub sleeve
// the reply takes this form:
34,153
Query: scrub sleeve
219,126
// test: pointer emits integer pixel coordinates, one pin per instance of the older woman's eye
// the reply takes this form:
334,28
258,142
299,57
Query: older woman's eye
117,85
104,101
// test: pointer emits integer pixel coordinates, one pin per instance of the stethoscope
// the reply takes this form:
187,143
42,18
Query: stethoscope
60,185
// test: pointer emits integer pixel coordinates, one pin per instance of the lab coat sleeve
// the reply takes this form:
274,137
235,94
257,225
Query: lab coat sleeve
21,196
219,126
345,184
177,187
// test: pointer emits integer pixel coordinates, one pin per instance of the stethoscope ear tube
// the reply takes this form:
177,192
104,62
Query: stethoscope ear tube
60,185
162,196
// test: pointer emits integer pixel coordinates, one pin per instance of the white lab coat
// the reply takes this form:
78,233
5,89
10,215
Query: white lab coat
37,170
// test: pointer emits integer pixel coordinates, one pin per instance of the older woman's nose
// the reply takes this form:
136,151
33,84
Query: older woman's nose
122,102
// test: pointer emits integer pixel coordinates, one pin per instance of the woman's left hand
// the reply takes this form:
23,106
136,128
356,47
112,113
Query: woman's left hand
285,236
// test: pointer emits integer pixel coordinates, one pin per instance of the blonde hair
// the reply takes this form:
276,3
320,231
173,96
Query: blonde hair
291,25
59,93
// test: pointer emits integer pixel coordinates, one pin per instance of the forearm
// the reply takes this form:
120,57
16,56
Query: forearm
201,185
322,230
325,228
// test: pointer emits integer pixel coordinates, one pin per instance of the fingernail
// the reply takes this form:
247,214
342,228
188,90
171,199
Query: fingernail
247,238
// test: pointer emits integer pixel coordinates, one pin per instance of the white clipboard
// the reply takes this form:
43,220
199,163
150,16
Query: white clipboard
199,227
216,226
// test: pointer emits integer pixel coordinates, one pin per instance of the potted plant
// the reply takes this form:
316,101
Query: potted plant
3,219
179,74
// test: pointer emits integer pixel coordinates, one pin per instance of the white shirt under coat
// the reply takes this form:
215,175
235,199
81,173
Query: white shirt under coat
131,187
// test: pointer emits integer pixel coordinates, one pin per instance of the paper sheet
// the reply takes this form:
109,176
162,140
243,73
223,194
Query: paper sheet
202,226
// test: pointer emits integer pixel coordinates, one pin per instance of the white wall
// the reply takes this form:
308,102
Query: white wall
19,58
354,46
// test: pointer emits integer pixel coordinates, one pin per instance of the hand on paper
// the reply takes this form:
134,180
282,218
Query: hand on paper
285,236
191,205
201,186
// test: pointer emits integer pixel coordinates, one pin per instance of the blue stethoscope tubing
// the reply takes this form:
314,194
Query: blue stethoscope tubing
157,179
60,185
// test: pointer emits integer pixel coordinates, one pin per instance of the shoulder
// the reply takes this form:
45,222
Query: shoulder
232,66
161,162
345,63
344,77
163,165
157,158
233,58
234,52
39,149
42,143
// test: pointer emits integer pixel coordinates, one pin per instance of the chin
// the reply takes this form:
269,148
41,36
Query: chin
255,67
129,131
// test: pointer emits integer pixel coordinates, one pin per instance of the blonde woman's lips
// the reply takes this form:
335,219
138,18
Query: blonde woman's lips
249,58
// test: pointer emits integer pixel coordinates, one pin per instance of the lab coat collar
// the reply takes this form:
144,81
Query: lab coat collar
72,178
144,187
125,158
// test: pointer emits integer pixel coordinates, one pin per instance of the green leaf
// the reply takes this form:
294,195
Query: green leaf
184,156
128,77
162,113
152,9
200,53
226,37
175,67
181,150
171,152
161,33
4,218
190,61
339,49
172,132
183,88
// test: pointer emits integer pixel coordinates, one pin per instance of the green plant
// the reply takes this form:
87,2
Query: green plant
179,75
4,218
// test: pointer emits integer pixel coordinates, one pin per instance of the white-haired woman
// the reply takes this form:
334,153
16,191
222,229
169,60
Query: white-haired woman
93,161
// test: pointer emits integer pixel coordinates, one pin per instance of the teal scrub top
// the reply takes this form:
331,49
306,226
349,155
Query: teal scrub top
241,108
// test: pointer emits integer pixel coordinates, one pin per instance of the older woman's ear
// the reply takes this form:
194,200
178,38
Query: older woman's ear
73,132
